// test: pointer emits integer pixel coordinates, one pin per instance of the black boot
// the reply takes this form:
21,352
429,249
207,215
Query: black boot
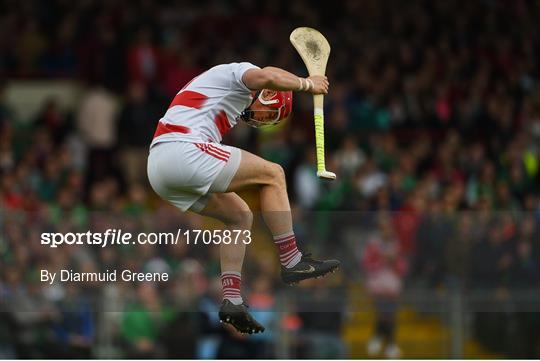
308,268
239,317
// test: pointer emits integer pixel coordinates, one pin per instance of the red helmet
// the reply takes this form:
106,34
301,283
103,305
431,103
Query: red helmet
279,103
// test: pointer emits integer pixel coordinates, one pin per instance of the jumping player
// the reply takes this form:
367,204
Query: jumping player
188,167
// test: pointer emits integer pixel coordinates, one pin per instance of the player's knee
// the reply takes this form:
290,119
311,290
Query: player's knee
241,218
278,175
247,219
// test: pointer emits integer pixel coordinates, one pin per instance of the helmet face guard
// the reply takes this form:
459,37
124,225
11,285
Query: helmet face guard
279,104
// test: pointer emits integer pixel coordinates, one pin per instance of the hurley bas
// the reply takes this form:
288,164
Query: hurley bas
107,276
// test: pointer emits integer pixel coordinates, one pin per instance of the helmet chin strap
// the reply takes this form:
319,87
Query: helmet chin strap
255,97
245,114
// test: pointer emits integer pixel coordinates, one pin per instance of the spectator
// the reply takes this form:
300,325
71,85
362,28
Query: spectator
136,124
142,58
385,266
143,321
307,187
349,158
96,123
75,328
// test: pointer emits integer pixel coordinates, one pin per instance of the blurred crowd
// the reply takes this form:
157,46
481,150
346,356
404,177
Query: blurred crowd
433,127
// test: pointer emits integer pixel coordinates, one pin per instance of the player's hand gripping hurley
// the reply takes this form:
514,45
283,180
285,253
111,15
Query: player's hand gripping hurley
315,50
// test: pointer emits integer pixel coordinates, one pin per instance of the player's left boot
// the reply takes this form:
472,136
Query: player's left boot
308,267
239,317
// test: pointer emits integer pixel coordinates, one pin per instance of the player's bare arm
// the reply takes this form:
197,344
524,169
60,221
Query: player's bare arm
278,79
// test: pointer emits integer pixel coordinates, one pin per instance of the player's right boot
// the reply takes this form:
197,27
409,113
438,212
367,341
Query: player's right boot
308,267
239,317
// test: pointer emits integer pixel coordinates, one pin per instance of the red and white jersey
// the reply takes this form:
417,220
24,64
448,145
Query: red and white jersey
207,107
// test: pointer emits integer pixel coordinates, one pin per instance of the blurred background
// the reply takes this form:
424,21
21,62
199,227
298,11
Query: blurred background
433,127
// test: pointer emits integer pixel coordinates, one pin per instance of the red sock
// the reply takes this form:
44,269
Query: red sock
289,255
231,282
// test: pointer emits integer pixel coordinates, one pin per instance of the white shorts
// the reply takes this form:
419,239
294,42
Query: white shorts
184,173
